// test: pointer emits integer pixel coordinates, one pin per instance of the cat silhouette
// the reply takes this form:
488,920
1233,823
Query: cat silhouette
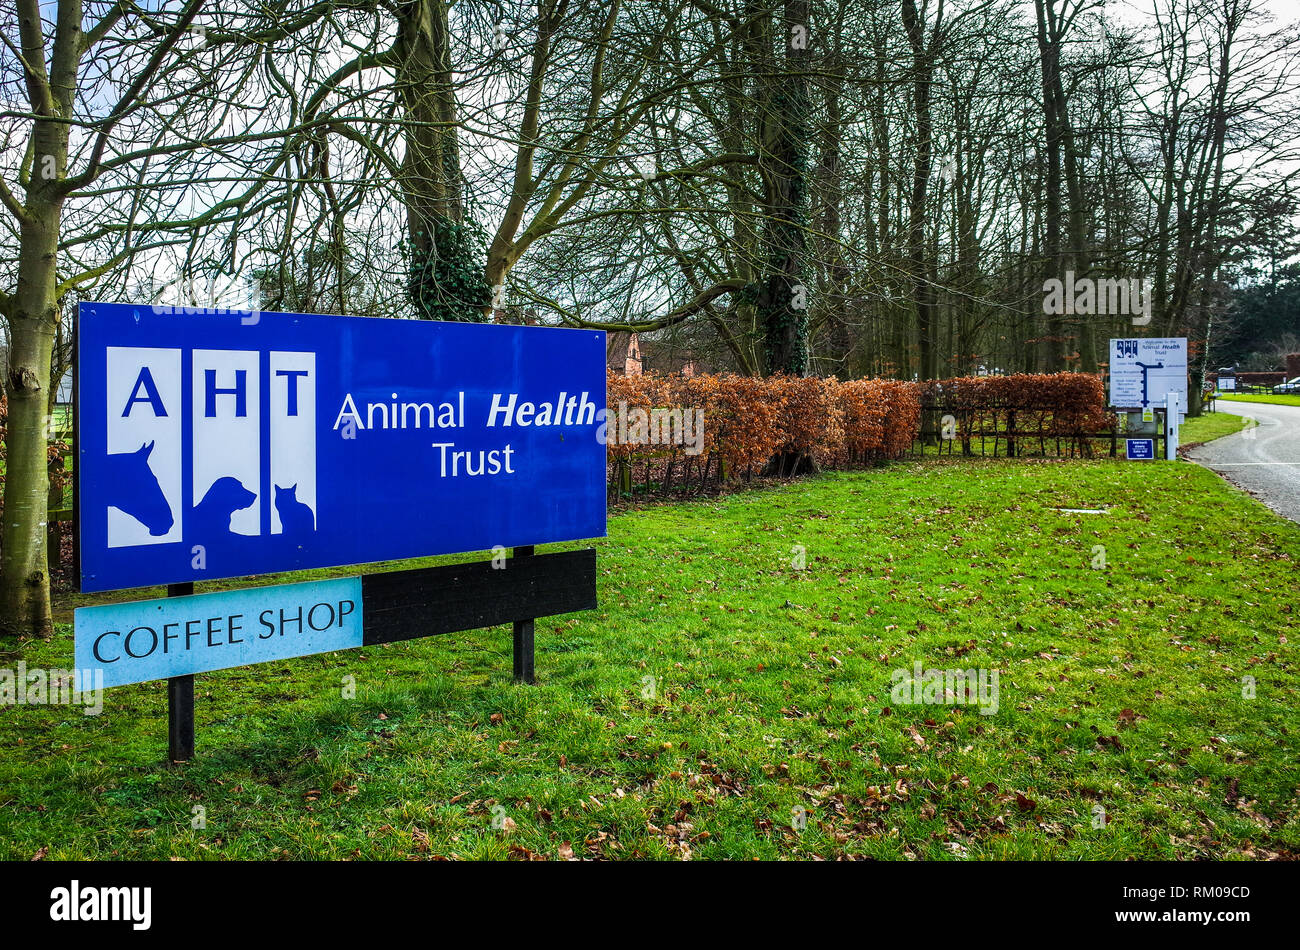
211,516
296,517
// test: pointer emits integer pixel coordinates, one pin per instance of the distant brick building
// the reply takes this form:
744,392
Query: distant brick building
629,350
629,355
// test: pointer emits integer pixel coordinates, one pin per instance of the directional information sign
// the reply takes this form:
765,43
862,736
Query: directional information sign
1140,450
1143,372
228,443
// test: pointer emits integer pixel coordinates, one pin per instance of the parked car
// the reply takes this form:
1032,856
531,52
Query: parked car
1290,386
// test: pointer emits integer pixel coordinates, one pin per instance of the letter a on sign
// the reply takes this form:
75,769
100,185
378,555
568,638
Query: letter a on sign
145,381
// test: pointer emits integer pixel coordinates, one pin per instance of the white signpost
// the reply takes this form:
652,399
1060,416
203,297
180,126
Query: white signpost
1173,413
1146,374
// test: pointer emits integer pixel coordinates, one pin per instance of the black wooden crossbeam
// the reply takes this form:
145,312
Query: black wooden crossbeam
404,605
407,605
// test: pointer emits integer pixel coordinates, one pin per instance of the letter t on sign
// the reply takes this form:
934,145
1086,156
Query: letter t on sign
523,634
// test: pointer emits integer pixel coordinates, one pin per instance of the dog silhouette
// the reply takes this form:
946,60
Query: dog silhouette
296,517
135,489
211,516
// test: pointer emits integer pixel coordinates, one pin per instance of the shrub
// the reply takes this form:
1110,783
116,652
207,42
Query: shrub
1071,401
741,420
1041,406
811,420
902,415
749,422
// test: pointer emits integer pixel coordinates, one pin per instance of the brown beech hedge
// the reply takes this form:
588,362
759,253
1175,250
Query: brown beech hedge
1041,413
754,427
1069,402
747,423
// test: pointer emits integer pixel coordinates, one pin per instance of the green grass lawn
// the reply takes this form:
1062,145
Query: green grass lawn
1284,399
719,692
1211,426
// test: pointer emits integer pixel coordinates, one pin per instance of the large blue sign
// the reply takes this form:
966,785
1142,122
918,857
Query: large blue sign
229,443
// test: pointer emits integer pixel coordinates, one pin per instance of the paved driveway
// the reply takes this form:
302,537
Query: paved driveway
1265,460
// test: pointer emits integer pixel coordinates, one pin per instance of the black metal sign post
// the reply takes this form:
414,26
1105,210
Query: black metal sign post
180,701
523,634
410,605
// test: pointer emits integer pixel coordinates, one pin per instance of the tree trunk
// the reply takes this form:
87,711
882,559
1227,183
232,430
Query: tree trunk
1049,58
785,126
424,81
24,581
446,270
924,277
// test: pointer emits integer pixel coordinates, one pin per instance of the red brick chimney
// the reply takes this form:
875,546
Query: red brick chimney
632,364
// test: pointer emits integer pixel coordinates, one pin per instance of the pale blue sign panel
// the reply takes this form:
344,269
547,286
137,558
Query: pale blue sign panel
156,639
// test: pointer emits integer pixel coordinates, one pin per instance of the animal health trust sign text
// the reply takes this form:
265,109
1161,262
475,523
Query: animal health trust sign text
224,444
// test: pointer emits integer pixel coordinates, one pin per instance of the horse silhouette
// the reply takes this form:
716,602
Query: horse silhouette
135,489
211,516
296,517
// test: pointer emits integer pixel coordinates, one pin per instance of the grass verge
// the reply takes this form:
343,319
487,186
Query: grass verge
1282,399
720,692
1211,426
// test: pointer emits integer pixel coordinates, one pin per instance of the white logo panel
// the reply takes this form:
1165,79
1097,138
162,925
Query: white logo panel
228,494
144,446
293,443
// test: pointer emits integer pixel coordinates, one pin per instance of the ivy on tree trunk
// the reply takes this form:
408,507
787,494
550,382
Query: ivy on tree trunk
446,281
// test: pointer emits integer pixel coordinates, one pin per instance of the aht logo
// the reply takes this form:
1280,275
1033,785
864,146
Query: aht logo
230,424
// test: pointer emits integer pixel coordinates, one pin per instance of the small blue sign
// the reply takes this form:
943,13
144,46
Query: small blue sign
1140,450
218,444
175,636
